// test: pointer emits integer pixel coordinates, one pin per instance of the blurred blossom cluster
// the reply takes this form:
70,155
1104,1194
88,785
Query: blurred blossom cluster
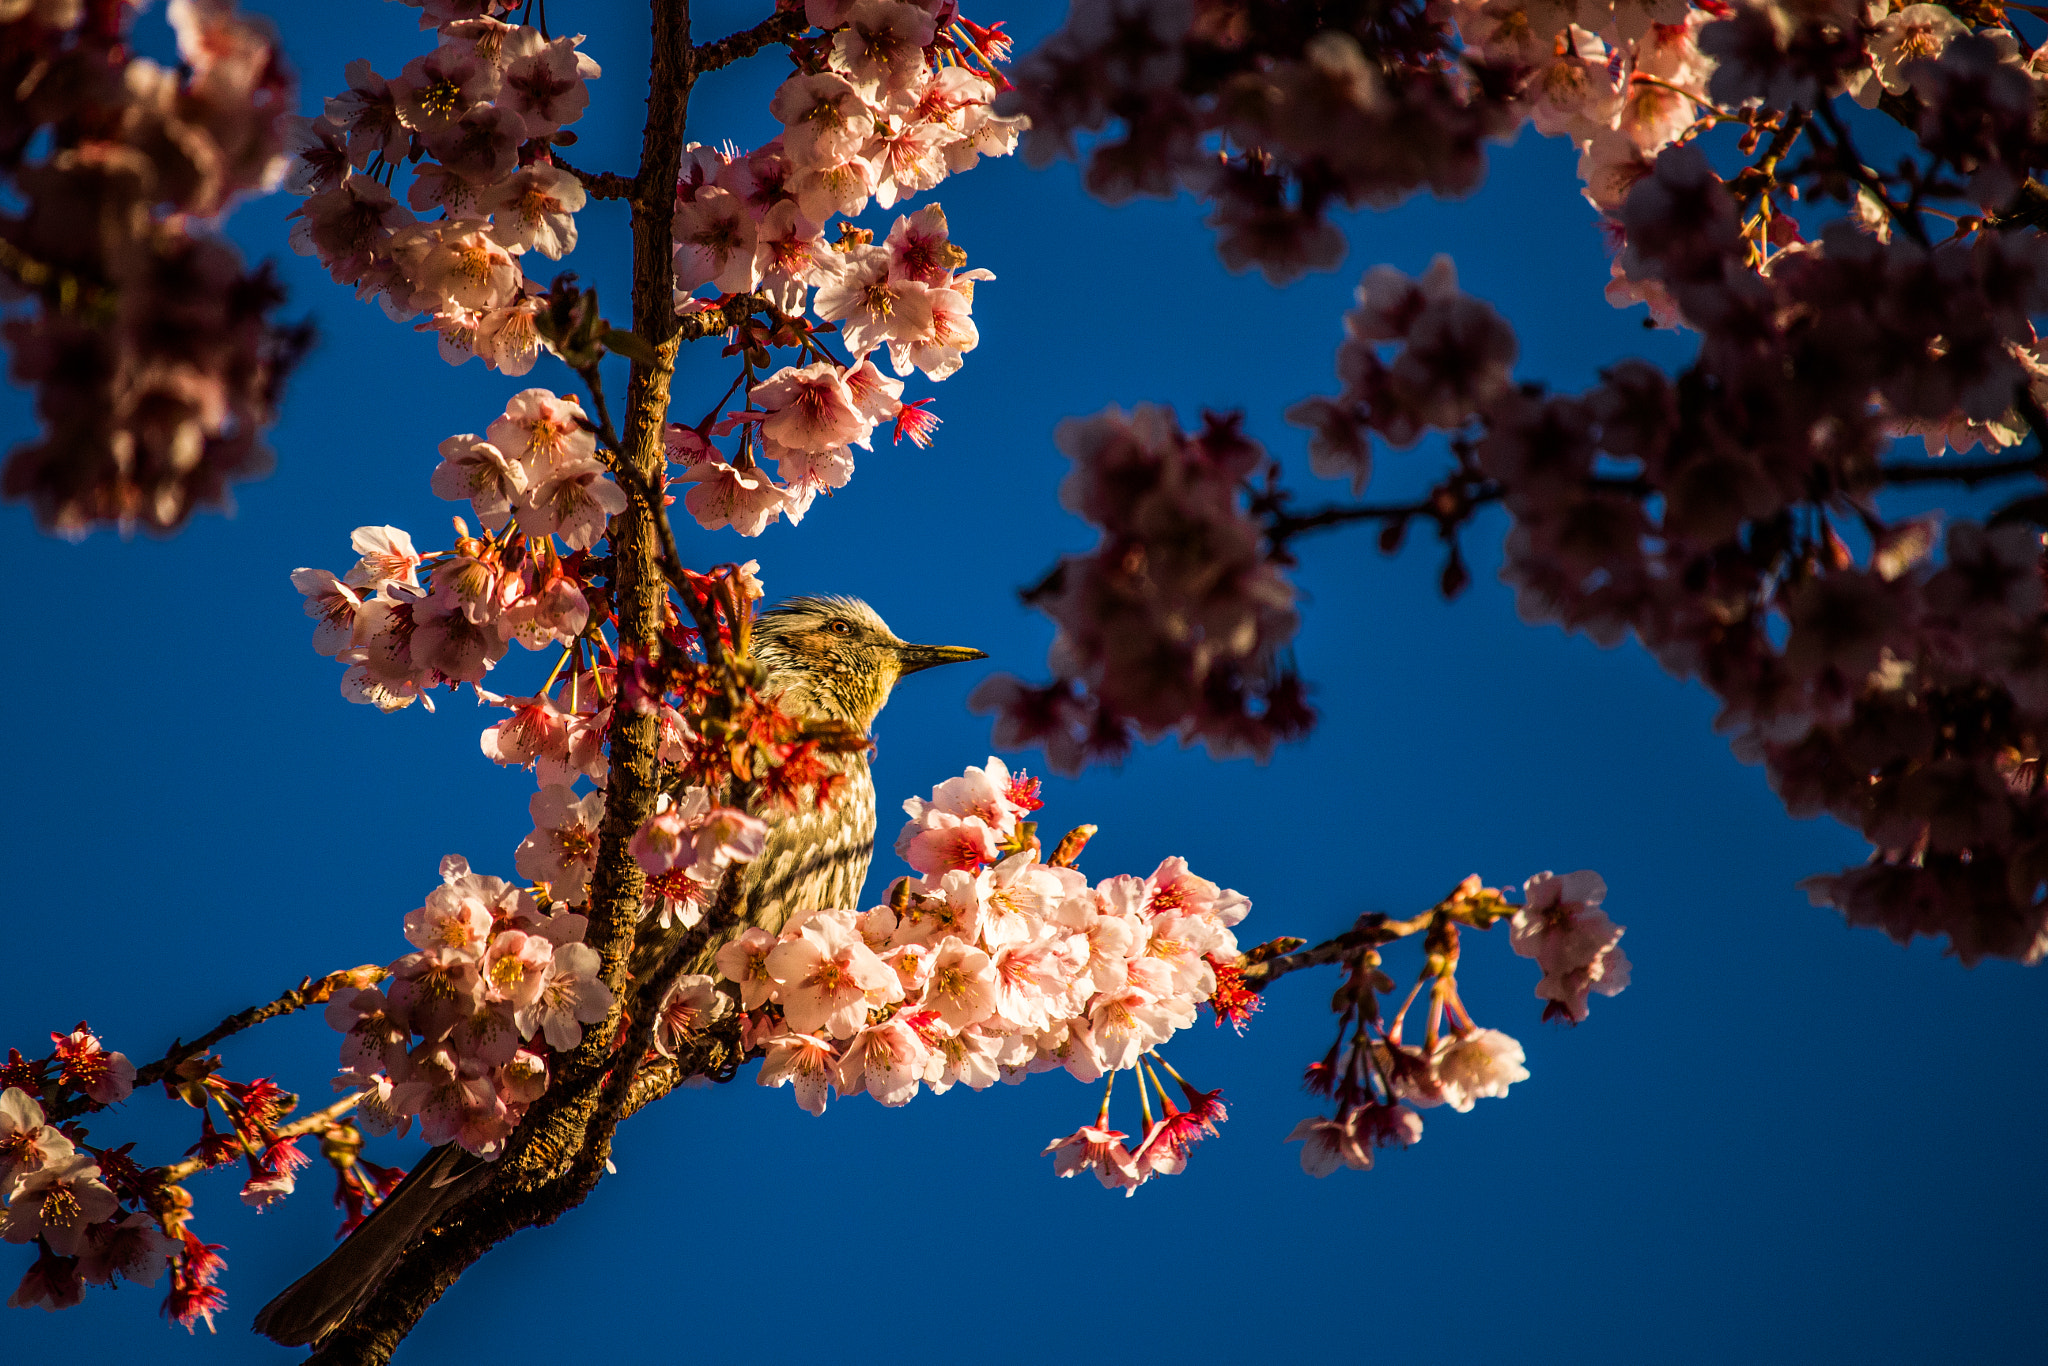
153,352
1273,113
1177,622
1888,670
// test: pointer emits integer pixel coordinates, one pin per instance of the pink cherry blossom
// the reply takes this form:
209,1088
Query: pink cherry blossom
57,1203
27,1144
824,118
715,239
745,500
536,729
476,470
134,1248
692,1005
809,409
572,502
387,557
828,978
571,996
870,307
1474,1066
534,210
83,1065
885,1060
562,850
543,433
806,1063
940,841
962,985
1563,928
1097,1150
544,82
745,960
881,47
332,604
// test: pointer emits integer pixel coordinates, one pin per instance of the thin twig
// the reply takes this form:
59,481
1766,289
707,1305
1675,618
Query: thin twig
777,28
1286,525
598,184
1851,164
1752,181
317,1122
1967,473
309,992
1370,932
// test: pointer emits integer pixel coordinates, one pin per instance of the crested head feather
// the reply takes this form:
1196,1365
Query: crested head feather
828,656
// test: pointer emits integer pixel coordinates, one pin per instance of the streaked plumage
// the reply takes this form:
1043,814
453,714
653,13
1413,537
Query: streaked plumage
826,657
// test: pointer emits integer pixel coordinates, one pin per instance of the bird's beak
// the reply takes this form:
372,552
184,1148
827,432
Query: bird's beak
911,658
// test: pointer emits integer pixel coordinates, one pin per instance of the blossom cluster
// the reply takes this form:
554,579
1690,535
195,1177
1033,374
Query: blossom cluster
461,1034
532,479
1628,82
88,1211
153,352
1271,114
1451,355
991,965
1899,687
474,120
892,99
1379,1082
1176,622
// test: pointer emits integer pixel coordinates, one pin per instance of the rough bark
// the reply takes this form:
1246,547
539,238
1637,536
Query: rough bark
555,1157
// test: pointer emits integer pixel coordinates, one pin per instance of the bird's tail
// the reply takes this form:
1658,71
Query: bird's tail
318,1302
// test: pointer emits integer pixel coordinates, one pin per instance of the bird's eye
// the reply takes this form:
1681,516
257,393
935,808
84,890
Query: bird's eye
838,627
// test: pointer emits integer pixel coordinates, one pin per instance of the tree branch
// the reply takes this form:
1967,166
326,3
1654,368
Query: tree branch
777,28
307,1124
1967,473
540,1176
597,184
1286,525
307,993
1850,163
1371,931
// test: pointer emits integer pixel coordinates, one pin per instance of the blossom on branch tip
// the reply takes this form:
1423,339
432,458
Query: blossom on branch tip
84,1066
1562,927
1474,1066
1097,1150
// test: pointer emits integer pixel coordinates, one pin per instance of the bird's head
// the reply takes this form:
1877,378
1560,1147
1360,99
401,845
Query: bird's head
835,657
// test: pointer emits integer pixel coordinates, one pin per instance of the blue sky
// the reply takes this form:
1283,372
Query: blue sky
1787,1141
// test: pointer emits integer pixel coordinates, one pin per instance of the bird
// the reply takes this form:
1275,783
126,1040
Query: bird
826,658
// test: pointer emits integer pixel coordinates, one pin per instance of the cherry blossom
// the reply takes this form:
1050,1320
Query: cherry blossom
828,978
58,1202
1477,1065
27,1143
83,1065
1563,928
562,850
692,1004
